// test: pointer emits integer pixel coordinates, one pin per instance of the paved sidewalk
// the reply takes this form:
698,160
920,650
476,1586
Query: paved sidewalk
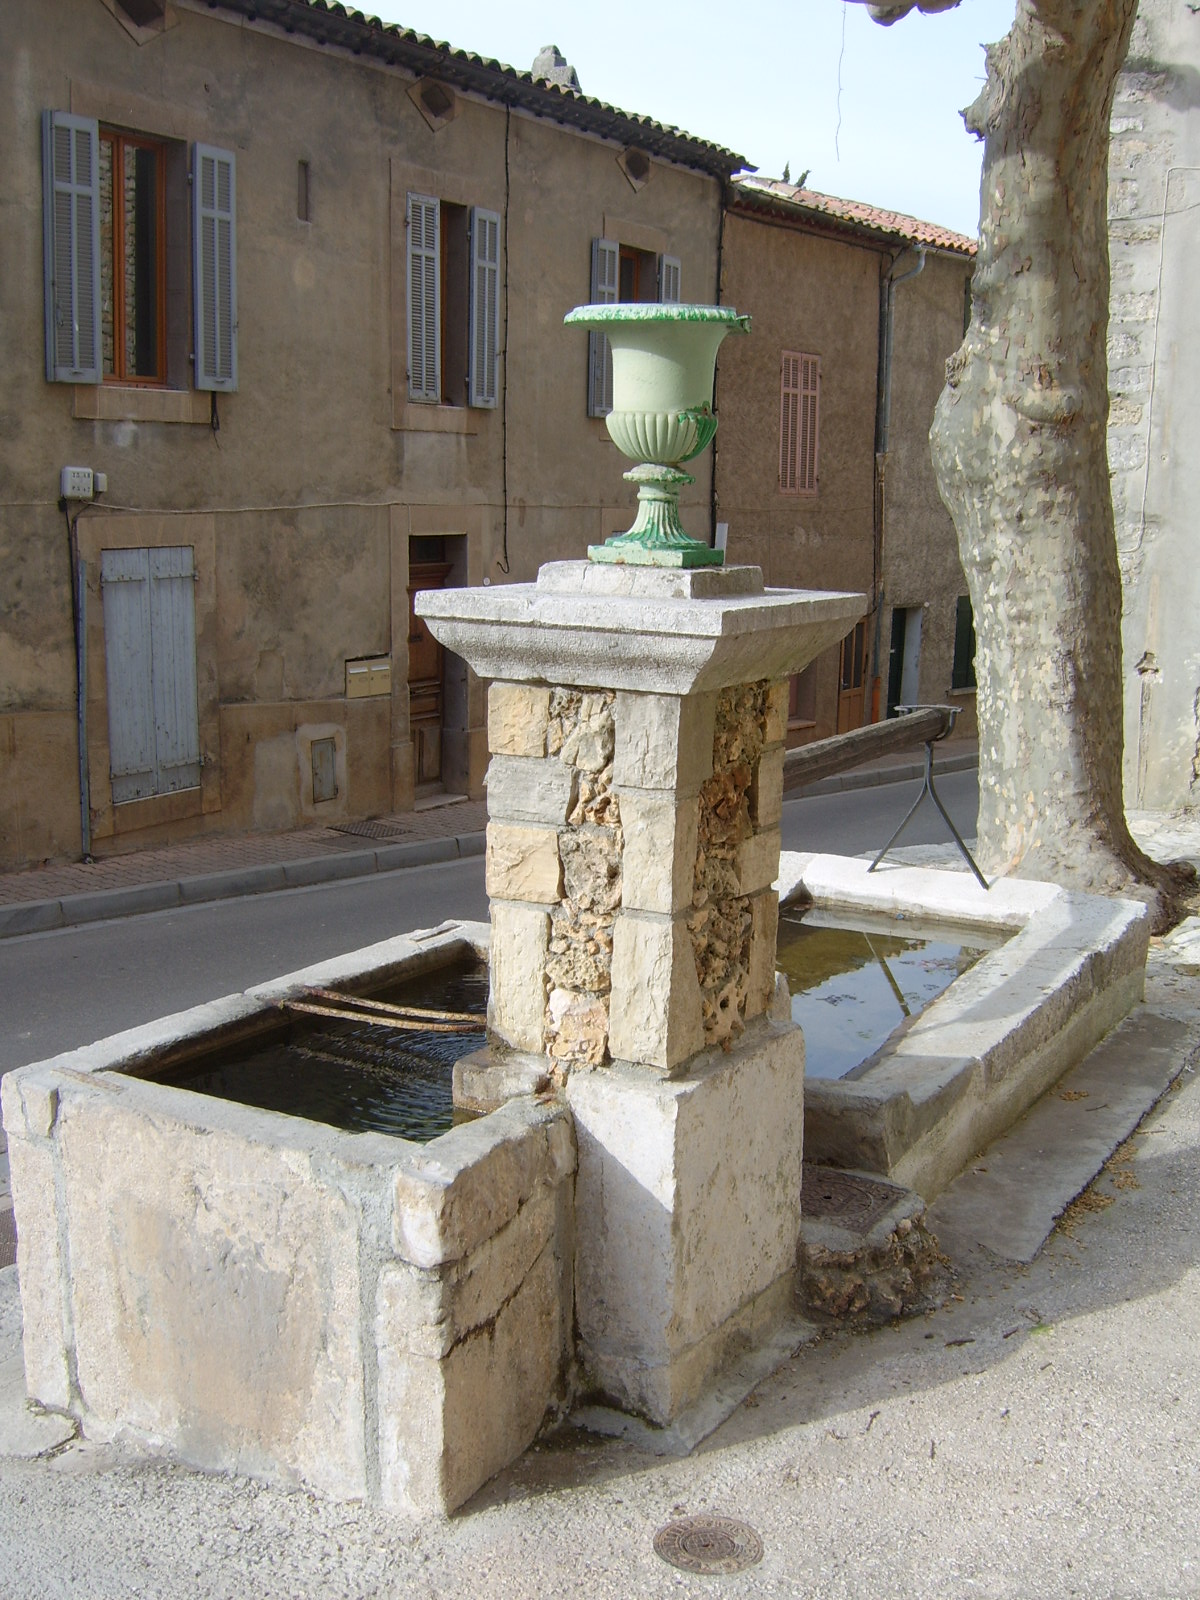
51,897
1034,1437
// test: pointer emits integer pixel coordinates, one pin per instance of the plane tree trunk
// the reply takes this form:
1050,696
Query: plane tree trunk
1020,452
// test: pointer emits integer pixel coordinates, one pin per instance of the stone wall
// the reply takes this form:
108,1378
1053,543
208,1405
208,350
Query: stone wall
1153,336
262,1294
721,921
680,855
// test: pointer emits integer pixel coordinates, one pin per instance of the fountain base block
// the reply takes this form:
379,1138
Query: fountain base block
691,1191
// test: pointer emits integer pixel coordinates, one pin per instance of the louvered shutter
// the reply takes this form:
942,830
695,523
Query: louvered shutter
424,298
670,275
150,659
173,668
789,422
810,392
125,587
606,268
71,247
214,267
485,307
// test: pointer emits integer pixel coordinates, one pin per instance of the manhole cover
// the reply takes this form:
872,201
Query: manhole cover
716,1545
841,1197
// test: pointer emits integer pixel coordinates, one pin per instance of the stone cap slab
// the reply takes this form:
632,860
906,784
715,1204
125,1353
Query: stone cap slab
638,628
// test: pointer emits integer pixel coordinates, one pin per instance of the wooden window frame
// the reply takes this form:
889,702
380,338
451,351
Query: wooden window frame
799,422
120,142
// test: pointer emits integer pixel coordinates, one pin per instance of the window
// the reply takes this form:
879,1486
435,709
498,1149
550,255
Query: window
132,258
110,259
963,673
621,274
453,302
150,659
799,418
802,697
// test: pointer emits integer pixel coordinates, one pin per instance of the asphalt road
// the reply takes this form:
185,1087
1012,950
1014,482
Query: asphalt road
66,988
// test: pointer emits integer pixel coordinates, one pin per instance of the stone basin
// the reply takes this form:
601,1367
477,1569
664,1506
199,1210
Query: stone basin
254,1292
1071,966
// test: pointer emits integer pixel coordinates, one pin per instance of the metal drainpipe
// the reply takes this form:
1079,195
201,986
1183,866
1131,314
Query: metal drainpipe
883,419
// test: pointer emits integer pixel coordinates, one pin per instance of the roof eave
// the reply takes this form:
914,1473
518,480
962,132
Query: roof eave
751,200
392,45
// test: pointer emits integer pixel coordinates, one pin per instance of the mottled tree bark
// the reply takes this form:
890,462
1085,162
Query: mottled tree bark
1019,448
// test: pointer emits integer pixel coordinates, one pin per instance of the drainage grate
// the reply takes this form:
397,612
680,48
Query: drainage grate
8,1238
855,1202
374,828
715,1546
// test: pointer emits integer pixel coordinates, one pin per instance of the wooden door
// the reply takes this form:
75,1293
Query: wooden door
852,683
426,690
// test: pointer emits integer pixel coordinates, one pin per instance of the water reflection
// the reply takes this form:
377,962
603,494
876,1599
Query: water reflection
856,979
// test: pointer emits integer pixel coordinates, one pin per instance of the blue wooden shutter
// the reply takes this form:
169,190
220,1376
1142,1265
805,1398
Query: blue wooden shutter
150,659
424,298
71,247
670,276
485,307
606,269
173,668
125,587
214,267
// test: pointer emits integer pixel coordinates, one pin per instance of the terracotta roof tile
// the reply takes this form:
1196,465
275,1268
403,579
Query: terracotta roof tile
874,219
329,22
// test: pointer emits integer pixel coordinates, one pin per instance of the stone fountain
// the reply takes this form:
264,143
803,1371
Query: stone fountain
243,1290
636,724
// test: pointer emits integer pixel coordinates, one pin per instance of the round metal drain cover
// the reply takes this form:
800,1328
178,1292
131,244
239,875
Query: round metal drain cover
716,1545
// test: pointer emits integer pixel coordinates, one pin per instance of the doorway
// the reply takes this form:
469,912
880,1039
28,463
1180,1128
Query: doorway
904,660
437,679
852,681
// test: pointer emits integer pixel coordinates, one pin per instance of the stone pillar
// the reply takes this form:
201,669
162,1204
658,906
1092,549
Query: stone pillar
636,722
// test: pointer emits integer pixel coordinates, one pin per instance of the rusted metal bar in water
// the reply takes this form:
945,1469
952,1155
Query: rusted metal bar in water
372,1019
844,751
390,1010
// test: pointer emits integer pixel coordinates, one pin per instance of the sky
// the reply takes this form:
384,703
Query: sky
761,78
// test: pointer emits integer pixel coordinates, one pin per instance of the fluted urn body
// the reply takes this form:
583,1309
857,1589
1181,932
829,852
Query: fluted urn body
664,361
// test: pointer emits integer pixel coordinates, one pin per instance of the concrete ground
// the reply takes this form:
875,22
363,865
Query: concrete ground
1034,1436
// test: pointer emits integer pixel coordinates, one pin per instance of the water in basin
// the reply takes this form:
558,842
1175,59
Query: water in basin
855,979
361,1077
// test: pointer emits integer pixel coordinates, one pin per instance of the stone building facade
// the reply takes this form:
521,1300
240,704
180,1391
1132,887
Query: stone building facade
1154,336
823,468
339,428
318,364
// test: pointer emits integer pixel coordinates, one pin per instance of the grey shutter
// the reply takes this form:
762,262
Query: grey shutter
214,267
424,298
71,247
485,307
670,277
150,657
125,586
606,269
173,668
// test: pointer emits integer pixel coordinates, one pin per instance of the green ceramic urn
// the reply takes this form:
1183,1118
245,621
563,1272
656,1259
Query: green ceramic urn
664,359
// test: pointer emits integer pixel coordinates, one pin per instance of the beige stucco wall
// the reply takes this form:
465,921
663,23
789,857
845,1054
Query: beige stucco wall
921,562
819,296
321,469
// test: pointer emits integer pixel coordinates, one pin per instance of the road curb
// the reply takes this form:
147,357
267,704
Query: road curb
101,905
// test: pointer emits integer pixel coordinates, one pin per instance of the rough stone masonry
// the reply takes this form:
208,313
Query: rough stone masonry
565,836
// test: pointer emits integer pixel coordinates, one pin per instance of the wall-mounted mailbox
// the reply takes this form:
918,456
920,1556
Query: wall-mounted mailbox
370,675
